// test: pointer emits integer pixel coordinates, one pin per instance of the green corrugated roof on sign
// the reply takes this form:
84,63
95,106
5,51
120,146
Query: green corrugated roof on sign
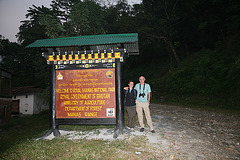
86,40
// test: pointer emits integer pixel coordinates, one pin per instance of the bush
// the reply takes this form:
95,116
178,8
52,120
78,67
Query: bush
206,74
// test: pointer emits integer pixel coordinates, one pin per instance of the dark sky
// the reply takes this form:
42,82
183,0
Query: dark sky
12,12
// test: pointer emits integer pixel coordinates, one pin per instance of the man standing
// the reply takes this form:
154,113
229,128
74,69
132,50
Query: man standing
142,103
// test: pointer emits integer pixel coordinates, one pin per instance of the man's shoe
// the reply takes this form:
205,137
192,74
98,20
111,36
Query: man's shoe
142,129
153,131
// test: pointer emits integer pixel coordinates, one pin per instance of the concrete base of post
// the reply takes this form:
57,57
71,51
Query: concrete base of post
55,132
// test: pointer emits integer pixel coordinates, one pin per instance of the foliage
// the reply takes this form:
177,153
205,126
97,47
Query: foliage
27,67
31,29
87,18
206,74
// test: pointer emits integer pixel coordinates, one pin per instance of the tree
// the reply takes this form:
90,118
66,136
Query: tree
27,67
162,17
87,18
119,18
43,23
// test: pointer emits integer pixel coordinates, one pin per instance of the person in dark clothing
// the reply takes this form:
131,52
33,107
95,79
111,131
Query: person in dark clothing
130,104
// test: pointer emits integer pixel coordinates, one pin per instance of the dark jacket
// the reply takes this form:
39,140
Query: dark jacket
130,99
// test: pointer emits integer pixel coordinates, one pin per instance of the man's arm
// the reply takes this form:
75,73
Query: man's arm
149,97
149,93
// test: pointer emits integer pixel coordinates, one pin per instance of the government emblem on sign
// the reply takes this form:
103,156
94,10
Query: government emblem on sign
109,74
59,76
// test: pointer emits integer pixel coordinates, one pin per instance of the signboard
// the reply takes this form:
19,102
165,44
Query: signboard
85,93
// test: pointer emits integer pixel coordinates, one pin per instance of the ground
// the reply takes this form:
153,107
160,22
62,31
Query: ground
197,133
181,133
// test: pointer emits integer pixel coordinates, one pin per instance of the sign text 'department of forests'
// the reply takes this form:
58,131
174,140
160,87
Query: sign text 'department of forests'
86,93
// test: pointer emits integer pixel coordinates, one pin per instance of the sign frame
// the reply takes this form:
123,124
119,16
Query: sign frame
119,112
81,120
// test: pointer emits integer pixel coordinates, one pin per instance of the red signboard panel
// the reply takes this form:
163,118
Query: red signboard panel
87,93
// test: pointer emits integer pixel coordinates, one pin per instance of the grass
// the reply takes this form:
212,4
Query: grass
61,148
22,128
18,142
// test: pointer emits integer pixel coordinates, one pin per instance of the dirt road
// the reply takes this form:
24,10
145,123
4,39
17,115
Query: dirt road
195,133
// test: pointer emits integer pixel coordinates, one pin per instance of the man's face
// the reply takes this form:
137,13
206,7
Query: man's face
141,79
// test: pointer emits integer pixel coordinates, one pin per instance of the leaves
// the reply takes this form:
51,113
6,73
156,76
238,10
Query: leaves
87,18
